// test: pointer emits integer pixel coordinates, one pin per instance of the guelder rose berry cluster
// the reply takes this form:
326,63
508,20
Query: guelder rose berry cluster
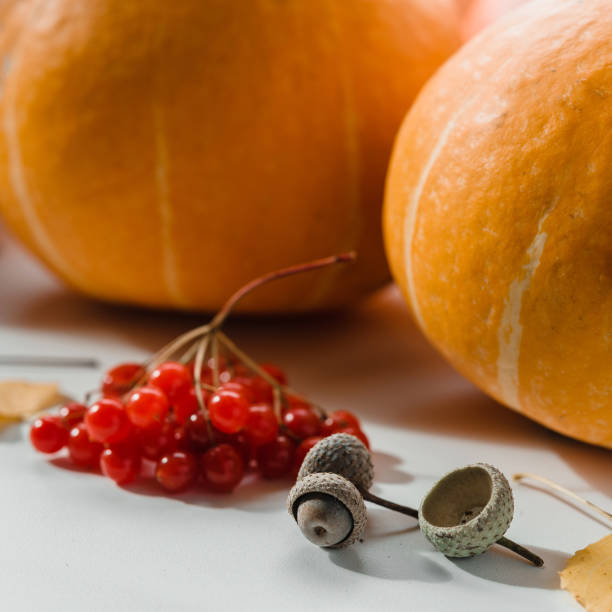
200,409
161,422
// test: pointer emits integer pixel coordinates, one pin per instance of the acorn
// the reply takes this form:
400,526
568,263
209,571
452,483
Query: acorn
340,454
469,510
328,508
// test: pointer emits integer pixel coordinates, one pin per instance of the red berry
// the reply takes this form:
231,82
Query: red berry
82,451
185,403
157,441
176,471
242,386
302,450
261,425
120,464
228,410
47,434
340,419
239,441
107,422
261,390
302,422
297,402
355,431
147,406
275,372
171,377
276,458
71,414
180,441
196,433
222,468
119,380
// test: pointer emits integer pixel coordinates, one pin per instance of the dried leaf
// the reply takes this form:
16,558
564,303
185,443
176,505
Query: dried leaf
5,422
588,576
20,399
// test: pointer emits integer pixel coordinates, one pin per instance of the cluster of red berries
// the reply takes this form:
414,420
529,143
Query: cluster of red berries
212,439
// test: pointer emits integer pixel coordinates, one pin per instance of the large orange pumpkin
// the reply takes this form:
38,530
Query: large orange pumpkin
480,13
164,153
498,213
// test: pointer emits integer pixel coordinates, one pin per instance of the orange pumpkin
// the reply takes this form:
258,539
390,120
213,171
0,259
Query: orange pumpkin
498,215
164,153
480,13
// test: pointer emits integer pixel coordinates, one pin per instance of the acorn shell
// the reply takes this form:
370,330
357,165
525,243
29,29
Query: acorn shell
341,489
467,510
340,454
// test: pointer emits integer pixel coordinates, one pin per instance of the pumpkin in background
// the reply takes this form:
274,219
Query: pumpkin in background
498,214
480,13
164,153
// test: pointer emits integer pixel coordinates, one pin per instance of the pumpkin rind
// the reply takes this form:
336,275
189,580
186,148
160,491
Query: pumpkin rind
166,153
498,220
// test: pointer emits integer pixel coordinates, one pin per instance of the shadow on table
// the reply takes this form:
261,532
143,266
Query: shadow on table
499,565
387,551
252,495
11,432
386,469
400,556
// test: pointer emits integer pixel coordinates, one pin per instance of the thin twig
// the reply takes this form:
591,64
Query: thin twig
215,358
369,496
277,274
197,376
521,550
562,489
189,354
250,363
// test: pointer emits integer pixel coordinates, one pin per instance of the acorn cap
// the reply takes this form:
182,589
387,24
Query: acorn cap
467,510
340,454
337,487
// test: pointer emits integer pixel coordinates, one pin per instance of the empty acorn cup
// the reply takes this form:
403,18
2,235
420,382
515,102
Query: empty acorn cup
469,510
328,509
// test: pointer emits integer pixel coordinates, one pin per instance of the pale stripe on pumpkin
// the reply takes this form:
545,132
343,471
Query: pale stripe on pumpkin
413,208
169,263
19,184
510,331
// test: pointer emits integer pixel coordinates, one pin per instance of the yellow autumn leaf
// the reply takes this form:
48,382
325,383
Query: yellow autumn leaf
588,576
20,399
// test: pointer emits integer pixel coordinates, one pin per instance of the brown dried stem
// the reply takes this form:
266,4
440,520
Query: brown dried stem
277,274
521,550
197,375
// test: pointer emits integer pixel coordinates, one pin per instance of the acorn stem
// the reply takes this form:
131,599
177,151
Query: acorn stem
521,550
368,496
558,487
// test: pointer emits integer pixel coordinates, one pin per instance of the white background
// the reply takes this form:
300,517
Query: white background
74,541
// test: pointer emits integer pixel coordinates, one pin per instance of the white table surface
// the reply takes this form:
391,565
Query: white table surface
74,541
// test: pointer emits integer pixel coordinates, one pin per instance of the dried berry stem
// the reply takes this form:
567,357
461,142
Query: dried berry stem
271,276
209,336
521,550
369,496
197,375
252,365
562,489
215,357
